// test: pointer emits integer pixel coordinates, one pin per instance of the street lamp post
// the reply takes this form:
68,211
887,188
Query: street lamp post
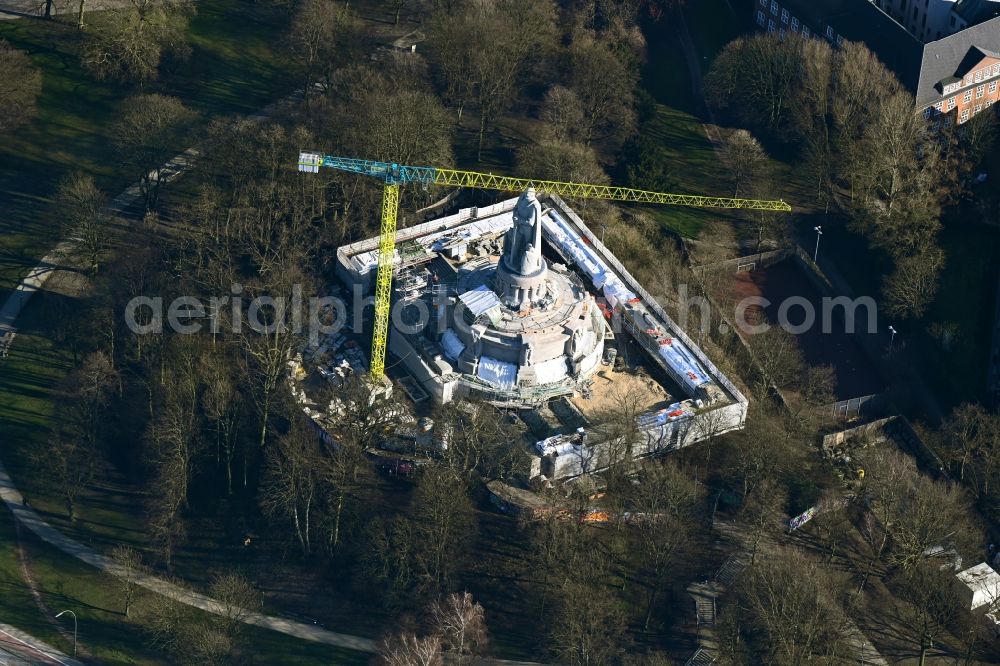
892,338
60,614
603,229
819,232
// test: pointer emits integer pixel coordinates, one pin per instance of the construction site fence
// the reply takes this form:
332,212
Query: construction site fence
856,408
748,262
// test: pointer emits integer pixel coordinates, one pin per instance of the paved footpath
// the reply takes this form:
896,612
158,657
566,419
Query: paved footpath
20,649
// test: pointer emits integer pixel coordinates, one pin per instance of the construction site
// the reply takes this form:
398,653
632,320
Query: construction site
518,304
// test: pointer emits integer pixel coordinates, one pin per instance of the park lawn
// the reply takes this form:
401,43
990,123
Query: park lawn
234,68
695,169
676,127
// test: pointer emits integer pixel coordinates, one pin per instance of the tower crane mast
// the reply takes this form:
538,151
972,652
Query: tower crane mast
393,175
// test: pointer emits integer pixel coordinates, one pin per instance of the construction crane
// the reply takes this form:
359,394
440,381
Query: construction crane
394,175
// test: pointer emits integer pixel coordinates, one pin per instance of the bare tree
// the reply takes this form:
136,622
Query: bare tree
152,129
561,160
747,161
756,76
972,437
20,85
444,527
238,597
127,43
224,409
324,35
666,505
604,86
911,287
408,649
479,440
291,484
70,465
588,627
790,614
927,605
563,115
777,358
130,568
461,624
762,513
488,77
82,208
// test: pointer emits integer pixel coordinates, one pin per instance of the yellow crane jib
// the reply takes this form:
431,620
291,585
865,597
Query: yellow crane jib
394,175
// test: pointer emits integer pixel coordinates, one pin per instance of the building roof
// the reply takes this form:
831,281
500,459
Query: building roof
983,582
947,56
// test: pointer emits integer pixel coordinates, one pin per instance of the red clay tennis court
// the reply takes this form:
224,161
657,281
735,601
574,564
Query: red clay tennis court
855,375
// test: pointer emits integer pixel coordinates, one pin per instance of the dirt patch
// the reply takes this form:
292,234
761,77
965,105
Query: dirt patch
610,387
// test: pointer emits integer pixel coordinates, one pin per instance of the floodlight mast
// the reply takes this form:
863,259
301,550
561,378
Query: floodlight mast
393,175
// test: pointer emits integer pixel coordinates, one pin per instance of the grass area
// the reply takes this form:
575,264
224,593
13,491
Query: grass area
676,127
695,170
234,67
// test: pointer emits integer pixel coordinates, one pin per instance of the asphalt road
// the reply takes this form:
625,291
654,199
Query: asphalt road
19,649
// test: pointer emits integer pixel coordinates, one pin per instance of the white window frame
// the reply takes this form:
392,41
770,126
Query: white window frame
996,69
980,91
829,32
993,87
979,107
952,102
774,7
979,75
967,97
771,26
784,16
795,24
805,31
939,106
761,18
964,117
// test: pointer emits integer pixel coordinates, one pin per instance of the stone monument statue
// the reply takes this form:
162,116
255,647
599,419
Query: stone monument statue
522,245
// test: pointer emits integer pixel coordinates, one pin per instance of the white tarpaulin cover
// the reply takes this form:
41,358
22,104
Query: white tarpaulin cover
563,236
452,346
684,363
480,300
551,371
496,372
616,292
